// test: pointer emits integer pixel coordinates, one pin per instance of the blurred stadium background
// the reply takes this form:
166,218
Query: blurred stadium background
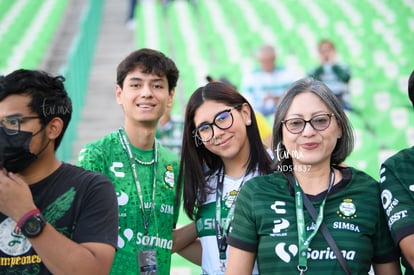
85,40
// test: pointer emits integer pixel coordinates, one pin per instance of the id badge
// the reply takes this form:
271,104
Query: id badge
147,262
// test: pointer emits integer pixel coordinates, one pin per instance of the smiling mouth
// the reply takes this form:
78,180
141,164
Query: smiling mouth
220,141
310,145
145,105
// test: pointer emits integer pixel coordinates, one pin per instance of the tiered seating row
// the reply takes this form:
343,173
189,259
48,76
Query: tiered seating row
26,29
220,38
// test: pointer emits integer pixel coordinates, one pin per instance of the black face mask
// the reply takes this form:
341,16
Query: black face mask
15,155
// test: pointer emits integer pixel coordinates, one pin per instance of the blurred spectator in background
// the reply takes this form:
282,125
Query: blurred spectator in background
170,131
334,74
396,177
130,21
264,86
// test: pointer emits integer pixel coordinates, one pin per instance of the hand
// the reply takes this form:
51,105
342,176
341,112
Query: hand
15,196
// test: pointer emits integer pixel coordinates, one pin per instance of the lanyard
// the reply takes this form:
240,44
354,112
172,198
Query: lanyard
222,229
127,148
302,240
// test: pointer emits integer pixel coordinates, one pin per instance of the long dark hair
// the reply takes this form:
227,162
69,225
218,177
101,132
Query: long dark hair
197,162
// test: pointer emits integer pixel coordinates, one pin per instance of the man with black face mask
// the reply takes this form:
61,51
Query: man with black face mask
55,218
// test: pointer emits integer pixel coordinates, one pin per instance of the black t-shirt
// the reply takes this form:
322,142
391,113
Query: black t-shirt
80,204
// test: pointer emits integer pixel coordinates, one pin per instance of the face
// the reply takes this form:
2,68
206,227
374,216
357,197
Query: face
144,97
267,61
16,106
326,52
311,146
228,143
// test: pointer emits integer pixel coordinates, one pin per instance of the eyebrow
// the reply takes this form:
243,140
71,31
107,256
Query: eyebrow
313,114
14,115
141,79
206,122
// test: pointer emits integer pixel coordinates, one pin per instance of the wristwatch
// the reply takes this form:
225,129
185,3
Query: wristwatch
33,225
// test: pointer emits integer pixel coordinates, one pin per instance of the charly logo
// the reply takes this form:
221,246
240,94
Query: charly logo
279,207
169,176
347,209
117,165
284,254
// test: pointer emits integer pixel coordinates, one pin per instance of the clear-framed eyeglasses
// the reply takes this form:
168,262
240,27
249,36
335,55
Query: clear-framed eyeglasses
223,120
318,122
11,124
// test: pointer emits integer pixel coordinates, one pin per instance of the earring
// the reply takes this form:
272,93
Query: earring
249,122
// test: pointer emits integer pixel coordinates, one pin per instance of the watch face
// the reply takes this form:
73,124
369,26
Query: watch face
33,226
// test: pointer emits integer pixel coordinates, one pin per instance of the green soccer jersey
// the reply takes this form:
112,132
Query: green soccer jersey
397,185
109,157
265,222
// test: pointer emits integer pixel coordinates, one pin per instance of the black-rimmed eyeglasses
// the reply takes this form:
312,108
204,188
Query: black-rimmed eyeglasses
297,125
223,120
11,124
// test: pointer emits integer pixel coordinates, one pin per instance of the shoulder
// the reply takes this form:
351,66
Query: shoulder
81,175
264,182
285,73
342,65
250,76
100,147
360,182
166,154
103,142
359,175
403,157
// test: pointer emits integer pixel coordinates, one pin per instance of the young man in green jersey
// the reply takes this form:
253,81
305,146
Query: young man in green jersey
143,171
396,176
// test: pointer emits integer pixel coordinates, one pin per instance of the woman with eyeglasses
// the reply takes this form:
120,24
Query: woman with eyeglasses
317,216
221,150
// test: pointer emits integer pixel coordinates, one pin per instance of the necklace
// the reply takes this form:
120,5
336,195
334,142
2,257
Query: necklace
146,163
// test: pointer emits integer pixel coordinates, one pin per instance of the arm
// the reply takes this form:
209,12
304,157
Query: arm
183,236
59,254
407,248
64,256
396,199
240,262
192,252
186,244
391,268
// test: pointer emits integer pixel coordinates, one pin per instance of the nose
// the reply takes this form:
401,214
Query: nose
217,131
146,91
308,130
